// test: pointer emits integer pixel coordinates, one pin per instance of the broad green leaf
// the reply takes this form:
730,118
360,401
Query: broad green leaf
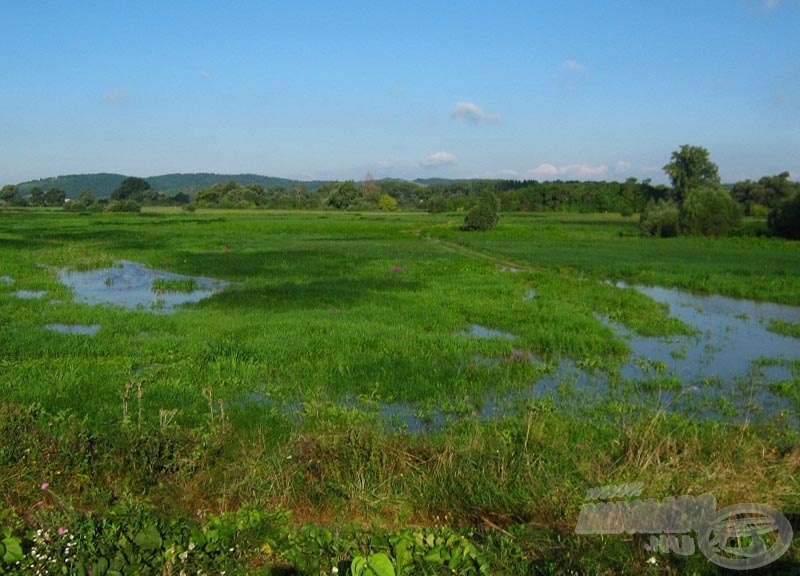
149,538
434,556
13,550
358,566
380,565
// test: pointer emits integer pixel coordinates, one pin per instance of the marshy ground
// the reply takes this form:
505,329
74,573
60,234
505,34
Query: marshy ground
356,384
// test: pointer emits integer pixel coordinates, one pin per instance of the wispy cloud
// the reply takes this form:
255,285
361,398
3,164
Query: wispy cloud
573,66
577,171
205,73
473,113
438,159
621,167
115,97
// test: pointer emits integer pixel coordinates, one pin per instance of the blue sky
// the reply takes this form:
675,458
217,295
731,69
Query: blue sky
336,89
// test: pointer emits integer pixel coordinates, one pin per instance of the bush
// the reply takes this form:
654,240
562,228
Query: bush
709,211
784,220
386,202
436,204
484,215
659,219
124,206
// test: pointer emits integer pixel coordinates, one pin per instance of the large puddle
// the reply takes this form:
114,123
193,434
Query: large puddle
133,285
732,368
731,336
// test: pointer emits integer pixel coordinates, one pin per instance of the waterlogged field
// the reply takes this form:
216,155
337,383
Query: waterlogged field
378,387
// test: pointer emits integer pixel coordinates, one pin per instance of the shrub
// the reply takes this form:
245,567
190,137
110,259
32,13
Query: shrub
124,206
709,211
659,219
386,202
484,215
784,220
436,204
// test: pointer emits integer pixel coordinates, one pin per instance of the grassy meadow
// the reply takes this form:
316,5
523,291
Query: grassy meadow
322,407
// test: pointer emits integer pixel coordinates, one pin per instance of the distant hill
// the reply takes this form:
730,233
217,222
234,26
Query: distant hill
103,184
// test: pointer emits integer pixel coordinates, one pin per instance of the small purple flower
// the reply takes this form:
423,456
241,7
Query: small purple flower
62,530
45,486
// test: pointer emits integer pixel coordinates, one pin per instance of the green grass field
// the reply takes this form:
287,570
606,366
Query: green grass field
267,400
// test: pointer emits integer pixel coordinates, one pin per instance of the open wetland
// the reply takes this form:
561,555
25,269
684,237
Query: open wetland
302,384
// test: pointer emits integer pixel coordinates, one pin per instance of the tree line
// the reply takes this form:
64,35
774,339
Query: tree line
695,203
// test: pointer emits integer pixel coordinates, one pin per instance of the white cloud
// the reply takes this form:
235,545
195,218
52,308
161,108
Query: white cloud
543,171
573,66
473,113
439,159
569,171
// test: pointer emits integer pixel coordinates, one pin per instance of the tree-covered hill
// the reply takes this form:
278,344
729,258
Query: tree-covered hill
103,184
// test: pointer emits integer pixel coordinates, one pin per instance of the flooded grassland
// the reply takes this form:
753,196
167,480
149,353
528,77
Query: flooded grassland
391,369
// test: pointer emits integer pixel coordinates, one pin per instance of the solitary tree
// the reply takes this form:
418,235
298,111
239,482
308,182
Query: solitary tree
485,214
690,168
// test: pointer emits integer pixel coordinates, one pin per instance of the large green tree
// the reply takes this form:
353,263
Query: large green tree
55,197
132,188
709,211
10,196
690,168
343,195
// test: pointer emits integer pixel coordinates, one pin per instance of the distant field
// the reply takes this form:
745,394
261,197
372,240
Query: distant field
328,318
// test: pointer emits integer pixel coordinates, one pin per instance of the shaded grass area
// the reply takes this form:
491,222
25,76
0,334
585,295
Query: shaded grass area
252,400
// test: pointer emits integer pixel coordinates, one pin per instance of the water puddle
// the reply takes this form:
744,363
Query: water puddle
732,368
133,285
7,280
731,337
729,369
478,331
30,294
85,329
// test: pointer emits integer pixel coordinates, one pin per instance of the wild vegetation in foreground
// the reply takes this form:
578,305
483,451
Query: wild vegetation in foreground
247,433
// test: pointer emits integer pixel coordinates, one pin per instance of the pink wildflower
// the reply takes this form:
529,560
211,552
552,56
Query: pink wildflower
45,486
